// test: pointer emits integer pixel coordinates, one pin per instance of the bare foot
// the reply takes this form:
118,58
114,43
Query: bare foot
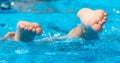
29,26
93,18
26,31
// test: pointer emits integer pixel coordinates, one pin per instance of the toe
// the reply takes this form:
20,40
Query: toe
30,28
36,25
33,30
97,27
104,18
105,14
38,31
102,22
25,28
21,25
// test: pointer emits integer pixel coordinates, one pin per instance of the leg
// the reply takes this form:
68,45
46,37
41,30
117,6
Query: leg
8,35
92,18
76,32
26,31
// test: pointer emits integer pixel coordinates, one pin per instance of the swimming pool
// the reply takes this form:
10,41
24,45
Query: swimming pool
106,49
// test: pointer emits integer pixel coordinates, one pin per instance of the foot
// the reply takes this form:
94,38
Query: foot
26,31
93,18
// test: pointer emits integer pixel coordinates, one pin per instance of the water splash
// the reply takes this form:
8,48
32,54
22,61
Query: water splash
21,51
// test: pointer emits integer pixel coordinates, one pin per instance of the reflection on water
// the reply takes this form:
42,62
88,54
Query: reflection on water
116,10
35,6
24,5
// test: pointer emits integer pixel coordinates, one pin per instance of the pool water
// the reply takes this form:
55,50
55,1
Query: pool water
58,22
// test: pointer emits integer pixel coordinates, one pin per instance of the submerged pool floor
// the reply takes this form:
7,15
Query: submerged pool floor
106,49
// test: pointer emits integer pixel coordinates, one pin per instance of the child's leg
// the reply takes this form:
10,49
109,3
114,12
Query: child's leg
26,31
92,18
77,31
8,35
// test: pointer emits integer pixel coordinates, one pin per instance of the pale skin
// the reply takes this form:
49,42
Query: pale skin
95,22
26,31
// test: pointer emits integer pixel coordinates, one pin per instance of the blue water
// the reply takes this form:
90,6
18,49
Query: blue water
59,22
